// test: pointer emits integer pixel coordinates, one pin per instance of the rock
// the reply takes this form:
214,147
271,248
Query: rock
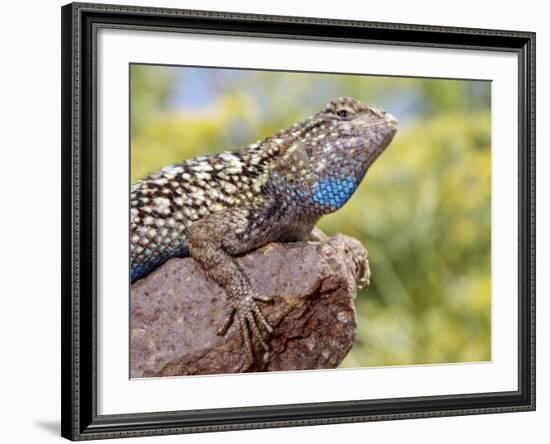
174,311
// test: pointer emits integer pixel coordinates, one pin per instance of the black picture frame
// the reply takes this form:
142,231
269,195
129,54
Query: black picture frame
79,171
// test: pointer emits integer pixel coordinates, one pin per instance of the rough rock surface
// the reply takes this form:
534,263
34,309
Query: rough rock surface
175,309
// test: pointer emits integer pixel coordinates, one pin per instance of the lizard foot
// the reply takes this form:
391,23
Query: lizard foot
250,318
364,273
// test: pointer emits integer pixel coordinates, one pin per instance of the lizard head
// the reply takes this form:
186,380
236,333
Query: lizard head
337,146
349,134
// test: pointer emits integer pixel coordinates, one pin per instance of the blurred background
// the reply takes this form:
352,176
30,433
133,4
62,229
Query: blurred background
423,210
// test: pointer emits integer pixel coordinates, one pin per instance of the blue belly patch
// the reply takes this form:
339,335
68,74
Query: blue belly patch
334,192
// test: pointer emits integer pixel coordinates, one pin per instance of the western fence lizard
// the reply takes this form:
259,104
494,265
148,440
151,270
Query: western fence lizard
219,206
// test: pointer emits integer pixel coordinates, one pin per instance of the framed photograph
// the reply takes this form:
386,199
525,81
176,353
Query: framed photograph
275,221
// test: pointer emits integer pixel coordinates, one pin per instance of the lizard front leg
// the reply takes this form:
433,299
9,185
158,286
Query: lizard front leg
317,235
213,241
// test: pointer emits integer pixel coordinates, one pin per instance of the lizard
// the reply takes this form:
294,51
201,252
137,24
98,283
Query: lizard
216,207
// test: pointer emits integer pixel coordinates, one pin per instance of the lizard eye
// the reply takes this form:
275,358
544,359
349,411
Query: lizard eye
343,113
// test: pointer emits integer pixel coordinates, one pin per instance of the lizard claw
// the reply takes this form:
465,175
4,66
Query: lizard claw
250,317
362,269
227,321
364,275
263,298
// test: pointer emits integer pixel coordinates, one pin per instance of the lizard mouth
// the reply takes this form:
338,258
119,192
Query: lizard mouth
386,127
382,118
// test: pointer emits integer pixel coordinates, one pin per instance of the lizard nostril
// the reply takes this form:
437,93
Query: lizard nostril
391,119
377,112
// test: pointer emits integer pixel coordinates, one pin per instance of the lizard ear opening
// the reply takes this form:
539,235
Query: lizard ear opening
303,151
295,157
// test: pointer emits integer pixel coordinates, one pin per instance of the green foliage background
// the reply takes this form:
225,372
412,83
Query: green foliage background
423,210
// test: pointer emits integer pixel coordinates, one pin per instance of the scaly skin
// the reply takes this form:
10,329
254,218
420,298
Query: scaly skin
216,207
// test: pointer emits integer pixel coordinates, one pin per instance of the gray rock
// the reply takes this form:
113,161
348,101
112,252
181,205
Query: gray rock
174,311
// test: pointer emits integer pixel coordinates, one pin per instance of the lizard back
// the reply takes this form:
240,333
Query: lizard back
166,203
